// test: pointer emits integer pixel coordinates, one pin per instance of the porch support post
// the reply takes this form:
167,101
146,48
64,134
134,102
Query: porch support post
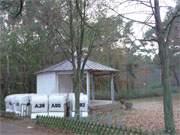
57,83
92,82
112,88
88,85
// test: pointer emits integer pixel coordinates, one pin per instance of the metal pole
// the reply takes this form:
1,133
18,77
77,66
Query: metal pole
112,88
88,85
92,82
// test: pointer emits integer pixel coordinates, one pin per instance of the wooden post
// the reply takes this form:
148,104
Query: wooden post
57,83
92,82
112,88
88,85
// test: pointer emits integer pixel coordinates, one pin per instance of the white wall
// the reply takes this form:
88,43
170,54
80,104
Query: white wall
65,83
47,83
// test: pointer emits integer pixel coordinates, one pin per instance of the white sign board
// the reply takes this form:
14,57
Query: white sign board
57,102
39,103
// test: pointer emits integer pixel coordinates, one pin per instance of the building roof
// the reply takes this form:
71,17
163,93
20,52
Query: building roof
67,66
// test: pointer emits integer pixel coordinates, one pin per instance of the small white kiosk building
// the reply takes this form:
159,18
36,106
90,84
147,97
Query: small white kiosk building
58,78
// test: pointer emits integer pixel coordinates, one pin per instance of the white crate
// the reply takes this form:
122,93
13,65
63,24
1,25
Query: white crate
83,104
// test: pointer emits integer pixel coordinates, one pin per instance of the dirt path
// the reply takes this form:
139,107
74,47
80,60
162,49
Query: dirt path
25,127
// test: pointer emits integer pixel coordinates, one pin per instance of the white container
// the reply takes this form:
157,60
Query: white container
24,101
17,106
39,105
57,105
13,102
71,99
44,105
83,104
18,103
8,103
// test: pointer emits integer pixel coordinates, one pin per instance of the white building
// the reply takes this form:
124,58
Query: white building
58,78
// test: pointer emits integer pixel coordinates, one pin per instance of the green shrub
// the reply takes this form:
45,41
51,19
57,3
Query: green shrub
9,115
2,103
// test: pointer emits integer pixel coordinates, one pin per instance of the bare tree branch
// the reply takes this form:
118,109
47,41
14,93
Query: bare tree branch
137,21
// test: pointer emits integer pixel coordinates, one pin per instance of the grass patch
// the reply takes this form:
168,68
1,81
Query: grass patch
2,103
9,115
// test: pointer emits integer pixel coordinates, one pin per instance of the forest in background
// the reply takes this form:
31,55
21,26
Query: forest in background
29,43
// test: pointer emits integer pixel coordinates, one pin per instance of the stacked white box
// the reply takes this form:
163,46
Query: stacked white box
57,105
13,100
25,104
18,103
83,104
9,103
39,105
54,105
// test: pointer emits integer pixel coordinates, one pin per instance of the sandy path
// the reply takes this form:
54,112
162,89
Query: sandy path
25,127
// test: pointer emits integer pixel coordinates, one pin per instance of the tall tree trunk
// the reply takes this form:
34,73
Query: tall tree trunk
77,85
167,96
127,79
164,59
7,87
176,77
1,89
110,64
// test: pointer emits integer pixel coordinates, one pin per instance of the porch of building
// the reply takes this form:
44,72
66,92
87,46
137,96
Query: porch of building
65,85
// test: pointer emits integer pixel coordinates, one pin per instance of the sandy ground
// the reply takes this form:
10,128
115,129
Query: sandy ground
26,127
150,116
146,114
